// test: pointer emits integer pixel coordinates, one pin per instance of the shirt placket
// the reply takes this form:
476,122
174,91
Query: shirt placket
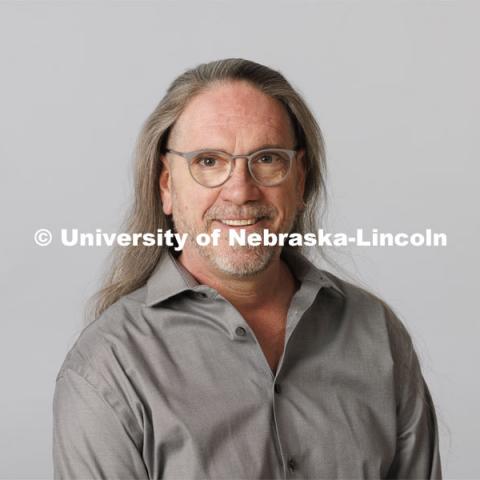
301,301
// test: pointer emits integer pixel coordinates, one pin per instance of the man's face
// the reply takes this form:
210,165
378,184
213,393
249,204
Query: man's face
239,119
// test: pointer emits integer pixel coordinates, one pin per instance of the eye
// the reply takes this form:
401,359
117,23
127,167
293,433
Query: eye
265,158
207,161
268,158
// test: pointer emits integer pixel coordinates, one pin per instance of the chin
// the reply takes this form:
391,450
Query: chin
240,261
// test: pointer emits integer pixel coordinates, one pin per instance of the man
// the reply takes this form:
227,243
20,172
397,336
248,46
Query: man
228,361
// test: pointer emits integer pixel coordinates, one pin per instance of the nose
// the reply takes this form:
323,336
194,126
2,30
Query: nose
240,187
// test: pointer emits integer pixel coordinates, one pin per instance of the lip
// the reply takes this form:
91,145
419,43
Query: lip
260,223
239,222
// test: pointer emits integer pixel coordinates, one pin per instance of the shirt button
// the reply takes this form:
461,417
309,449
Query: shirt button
277,388
240,331
292,464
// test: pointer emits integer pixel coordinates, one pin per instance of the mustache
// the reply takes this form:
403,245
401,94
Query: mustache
247,211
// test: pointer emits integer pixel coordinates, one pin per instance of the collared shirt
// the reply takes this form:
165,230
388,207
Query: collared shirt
171,382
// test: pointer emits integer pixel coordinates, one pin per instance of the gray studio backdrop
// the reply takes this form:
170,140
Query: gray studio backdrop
394,86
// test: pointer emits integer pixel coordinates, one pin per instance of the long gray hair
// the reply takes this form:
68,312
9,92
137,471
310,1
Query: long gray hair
131,266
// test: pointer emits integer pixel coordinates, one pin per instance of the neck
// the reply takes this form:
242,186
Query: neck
272,285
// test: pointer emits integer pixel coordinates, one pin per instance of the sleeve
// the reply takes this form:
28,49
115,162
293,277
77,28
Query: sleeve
89,439
417,453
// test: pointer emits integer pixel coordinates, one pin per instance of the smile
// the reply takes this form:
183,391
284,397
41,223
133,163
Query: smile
240,223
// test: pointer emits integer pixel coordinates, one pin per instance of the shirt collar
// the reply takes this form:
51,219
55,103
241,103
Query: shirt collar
305,270
170,277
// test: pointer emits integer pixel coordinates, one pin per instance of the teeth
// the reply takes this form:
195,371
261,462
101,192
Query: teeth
238,223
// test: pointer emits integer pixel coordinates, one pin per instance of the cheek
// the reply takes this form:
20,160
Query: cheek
192,202
286,202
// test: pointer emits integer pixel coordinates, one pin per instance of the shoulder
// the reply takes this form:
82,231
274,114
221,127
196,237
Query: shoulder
370,312
372,326
101,362
99,342
362,313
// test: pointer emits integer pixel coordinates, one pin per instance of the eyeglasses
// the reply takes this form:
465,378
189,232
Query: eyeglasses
212,168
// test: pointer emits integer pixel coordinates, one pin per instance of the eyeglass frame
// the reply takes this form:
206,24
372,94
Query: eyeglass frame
189,156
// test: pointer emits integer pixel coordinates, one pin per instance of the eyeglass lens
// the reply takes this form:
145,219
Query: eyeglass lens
268,167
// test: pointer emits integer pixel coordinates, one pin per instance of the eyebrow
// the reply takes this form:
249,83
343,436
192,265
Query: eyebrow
262,147
268,145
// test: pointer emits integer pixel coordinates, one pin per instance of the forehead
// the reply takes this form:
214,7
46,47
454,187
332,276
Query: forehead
233,114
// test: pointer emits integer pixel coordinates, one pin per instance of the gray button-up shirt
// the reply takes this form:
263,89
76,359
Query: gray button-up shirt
170,382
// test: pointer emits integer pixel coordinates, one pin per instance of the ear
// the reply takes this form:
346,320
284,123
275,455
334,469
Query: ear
300,178
165,181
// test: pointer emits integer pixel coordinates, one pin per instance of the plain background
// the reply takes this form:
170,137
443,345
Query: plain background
394,86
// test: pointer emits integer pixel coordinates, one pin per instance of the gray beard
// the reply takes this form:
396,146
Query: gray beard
235,260
256,260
